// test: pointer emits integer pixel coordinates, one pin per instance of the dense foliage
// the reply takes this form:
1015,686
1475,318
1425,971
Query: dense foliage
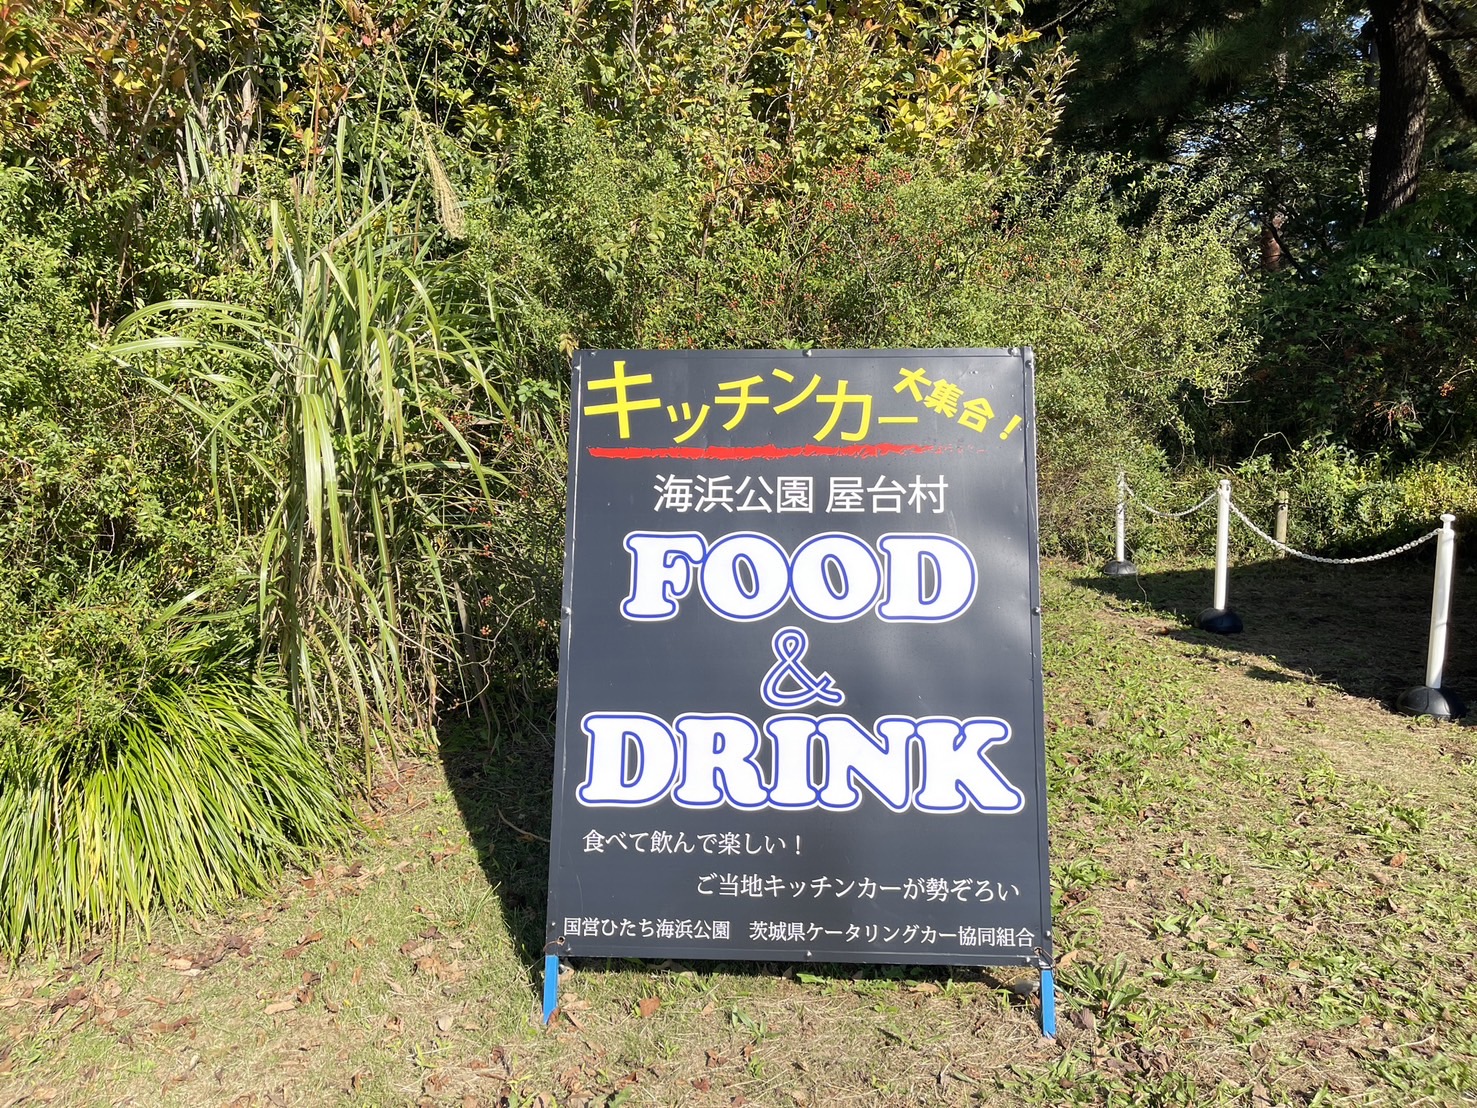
1344,134
287,295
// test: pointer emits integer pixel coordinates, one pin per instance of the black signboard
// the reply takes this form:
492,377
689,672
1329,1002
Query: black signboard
800,673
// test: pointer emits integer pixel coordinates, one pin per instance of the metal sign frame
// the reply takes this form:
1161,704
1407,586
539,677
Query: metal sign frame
799,711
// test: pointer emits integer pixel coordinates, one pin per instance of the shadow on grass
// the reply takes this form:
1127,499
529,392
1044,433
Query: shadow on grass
1360,628
504,793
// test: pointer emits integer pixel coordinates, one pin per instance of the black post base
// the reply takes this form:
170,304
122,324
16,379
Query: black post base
1219,621
1426,701
1116,568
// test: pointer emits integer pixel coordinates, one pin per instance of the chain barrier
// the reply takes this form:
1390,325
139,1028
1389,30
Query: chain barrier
1168,515
1428,699
1427,537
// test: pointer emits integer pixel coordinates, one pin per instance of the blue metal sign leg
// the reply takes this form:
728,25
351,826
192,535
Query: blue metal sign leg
1048,1004
551,986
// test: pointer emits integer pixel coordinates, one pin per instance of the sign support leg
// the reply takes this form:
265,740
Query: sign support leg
551,986
1048,1004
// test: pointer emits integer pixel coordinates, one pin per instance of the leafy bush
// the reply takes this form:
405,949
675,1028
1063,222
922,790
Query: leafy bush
1377,347
1135,326
510,648
1135,306
1339,504
193,793
142,761
1343,504
364,395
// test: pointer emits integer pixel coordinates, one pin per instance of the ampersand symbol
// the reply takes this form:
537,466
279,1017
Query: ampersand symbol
789,645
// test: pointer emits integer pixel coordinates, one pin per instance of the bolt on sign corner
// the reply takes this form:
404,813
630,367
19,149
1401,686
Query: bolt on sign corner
800,670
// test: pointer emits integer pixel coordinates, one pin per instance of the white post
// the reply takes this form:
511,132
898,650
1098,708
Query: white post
1281,532
1119,552
1440,602
1222,542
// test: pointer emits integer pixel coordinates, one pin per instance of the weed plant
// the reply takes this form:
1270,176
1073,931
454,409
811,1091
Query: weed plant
363,396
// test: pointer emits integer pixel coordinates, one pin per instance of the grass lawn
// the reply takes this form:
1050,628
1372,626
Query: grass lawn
1265,894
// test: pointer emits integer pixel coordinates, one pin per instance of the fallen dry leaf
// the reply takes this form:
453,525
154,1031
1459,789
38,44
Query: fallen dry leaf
647,1006
278,1007
432,966
1397,860
172,1025
303,944
73,998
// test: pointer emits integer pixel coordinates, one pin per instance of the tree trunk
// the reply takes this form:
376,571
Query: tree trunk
1273,217
1405,91
1271,246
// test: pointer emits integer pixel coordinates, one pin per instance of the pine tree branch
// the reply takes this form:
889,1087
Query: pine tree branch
1451,80
1455,30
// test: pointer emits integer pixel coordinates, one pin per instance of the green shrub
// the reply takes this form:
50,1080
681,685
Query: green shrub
514,585
193,792
1339,504
1375,347
1342,504
1137,319
142,761
365,397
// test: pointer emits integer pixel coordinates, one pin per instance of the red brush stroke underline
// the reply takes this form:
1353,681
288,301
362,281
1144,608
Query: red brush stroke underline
767,452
